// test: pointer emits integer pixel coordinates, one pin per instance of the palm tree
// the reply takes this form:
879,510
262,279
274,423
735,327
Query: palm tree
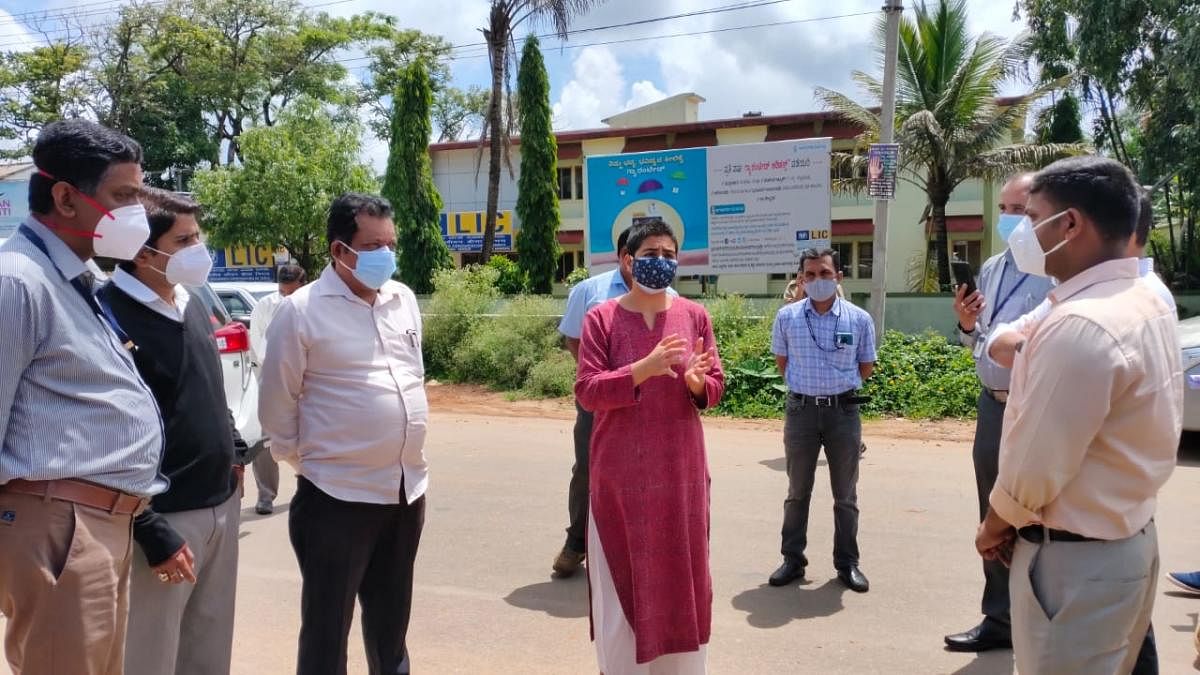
503,20
951,124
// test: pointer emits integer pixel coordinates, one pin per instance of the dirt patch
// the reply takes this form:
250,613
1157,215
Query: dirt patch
469,399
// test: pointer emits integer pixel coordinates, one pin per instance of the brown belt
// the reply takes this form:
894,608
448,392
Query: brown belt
79,492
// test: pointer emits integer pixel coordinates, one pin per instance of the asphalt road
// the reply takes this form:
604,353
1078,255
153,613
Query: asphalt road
485,602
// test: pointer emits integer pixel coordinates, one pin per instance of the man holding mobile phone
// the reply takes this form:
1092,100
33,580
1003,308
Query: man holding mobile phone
1004,293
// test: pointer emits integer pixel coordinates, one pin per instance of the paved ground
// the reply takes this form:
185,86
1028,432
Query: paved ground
485,602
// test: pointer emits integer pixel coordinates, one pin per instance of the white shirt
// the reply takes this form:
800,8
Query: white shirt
1032,319
343,391
134,288
260,318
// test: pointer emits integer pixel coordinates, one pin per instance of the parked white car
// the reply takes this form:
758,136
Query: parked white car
1189,341
241,386
240,297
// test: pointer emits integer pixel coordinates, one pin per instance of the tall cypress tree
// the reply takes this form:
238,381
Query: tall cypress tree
408,183
537,190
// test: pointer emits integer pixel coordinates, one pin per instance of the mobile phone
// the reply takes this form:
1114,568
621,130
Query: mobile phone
963,276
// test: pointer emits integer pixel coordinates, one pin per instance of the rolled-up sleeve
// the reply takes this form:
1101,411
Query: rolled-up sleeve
282,382
779,335
1073,369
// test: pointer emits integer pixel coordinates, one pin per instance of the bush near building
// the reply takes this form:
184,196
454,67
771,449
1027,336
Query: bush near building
519,350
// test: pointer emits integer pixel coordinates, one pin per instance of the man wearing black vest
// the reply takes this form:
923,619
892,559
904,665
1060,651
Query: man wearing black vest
183,580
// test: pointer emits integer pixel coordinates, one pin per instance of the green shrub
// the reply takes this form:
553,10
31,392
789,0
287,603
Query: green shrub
460,296
510,279
577,275
922,376
501,350
552,377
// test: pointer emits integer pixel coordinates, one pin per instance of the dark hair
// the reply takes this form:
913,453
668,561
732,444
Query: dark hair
623,240
1100,187
78,152
162,210
343,213
291,274
813,254
1145,219
646,228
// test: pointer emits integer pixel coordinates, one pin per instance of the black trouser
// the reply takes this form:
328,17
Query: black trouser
988,425
577,495
839,429
348,550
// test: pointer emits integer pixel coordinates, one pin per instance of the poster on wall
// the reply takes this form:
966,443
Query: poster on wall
14,206
736,209
883,160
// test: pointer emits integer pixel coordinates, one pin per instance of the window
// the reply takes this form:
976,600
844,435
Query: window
845,250
866,260
570,182
234,303
566,265
968,250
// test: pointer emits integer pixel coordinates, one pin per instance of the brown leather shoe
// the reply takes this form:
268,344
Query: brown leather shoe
567,563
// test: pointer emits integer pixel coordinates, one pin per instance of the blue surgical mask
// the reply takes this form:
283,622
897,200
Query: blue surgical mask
820,289
373,268
1007,223
654,275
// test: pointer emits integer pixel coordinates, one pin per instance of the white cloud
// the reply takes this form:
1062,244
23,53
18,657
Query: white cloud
14,35
643,93
597,90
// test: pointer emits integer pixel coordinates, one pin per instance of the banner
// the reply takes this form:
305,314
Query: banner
883,160
463,231
243,263
736,209
14,206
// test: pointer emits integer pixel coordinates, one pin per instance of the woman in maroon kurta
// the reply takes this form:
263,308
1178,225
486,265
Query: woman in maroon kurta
647,369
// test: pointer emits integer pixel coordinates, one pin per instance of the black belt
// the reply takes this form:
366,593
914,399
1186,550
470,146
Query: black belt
1037,535
845,398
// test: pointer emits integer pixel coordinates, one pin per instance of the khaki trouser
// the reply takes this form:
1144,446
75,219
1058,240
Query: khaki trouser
187,629
1082,607
64,586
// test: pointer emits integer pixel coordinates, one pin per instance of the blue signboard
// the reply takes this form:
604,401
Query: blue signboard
470,243
463,231
242,263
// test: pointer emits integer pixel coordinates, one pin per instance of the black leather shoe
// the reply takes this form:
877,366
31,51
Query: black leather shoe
854,579
981,638
788,572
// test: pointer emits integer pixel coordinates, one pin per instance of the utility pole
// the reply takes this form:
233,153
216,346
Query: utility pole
892,10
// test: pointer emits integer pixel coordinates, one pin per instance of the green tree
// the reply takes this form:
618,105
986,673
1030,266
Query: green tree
38,86
390,58
408,183
290,174
537,191
504,17
951,124
458,112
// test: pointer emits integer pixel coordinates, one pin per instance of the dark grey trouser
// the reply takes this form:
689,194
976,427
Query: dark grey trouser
266,476
986,454
577,495
805,430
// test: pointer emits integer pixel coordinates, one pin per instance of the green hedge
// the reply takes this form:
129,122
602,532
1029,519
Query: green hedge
917,376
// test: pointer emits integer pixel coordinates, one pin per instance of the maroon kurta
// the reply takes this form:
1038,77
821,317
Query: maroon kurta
649,474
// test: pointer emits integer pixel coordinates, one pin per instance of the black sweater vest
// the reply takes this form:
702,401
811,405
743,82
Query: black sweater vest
181,365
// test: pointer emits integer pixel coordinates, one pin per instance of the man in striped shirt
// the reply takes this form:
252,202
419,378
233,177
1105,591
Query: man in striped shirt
81,433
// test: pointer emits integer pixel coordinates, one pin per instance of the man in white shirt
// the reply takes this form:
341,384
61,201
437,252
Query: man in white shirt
266,470
343,401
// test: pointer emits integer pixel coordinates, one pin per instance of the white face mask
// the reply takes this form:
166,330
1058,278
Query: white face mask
188,266
1027,250
122,233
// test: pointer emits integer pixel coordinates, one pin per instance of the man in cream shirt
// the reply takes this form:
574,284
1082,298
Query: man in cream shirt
343,401
1074,502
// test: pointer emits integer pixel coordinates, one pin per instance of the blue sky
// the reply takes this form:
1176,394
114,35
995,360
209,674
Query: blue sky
770,69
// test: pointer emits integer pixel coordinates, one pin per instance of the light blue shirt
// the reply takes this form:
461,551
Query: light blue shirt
589,293
72,404
1008,295
823,350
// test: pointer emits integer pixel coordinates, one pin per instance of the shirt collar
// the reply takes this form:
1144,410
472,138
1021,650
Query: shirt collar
1145,266
134,288
836,310
618,282
60,254
1122,268
329,283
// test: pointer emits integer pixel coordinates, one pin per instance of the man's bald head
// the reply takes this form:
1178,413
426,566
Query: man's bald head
1015,193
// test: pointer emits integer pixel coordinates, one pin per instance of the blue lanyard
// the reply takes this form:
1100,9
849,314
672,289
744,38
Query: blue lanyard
101,309
1000,307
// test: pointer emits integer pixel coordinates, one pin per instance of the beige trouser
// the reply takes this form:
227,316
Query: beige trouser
187,629
1082,607
64,586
